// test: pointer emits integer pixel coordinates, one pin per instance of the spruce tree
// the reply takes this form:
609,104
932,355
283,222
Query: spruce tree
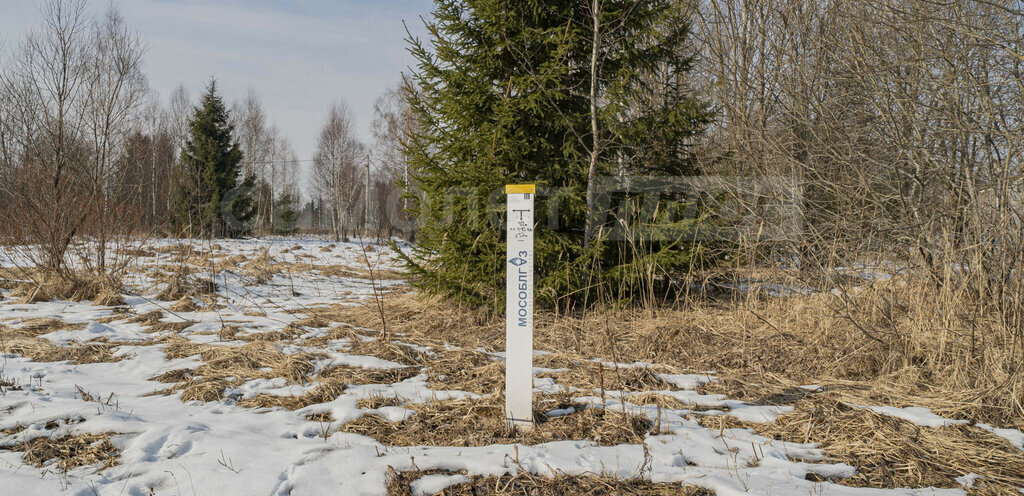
502,95
210,200
286,216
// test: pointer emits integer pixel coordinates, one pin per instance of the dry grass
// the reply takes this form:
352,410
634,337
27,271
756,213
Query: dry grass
101,290
181,284
359,375
421,320
153,322
801,339
25,341
466,370
387,350
41,350
891,453
324,392
525,483
379,401
11,431
232,332
360,272
229,366
312,321
587,375
331,383
481,422
185,304
43,325
69,451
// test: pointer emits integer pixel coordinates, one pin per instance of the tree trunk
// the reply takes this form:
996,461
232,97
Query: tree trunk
588,234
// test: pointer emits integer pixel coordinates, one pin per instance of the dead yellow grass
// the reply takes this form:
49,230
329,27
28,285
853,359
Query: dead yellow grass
25,341
379,401
525,483
41,350
101,290
182,283
359,375
388,350
588,375
185,304
325,391
466,370
227,366
70,451
153,322
805,339
889,452
44,325
360,272
480,422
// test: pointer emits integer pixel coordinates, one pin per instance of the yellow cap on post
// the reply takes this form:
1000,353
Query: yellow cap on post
520,188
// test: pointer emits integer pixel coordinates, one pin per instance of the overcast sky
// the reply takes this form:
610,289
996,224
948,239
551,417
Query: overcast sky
299,55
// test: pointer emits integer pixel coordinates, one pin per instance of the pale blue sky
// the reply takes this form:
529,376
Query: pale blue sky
299,55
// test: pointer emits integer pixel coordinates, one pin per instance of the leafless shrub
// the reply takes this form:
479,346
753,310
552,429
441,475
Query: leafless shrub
70,99
901,120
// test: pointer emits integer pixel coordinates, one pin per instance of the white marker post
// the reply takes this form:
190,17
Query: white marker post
519,306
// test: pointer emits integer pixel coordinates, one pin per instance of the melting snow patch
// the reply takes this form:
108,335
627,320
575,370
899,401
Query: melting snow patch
433,484
967,480
918,415
686,381
1014,436
757,413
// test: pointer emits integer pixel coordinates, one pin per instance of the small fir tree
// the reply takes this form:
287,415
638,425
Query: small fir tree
286,218
210,199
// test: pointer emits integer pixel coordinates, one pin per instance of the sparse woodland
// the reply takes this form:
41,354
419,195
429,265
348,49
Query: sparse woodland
810,208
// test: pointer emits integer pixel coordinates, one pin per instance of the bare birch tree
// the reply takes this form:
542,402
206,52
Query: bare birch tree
44,84
336,167
113,97
392,126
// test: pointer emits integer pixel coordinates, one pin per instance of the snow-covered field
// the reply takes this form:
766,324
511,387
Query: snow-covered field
167,444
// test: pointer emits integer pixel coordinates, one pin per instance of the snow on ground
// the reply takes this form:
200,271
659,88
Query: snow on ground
918,415
168,446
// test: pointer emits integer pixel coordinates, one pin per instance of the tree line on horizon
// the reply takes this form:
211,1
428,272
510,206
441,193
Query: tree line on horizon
89,151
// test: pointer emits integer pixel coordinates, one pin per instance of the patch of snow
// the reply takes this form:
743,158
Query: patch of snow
435,483
1014,436
967,480
918,415
686,381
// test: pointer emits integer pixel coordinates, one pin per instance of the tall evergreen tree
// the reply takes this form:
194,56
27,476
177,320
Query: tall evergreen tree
503,93
210,199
